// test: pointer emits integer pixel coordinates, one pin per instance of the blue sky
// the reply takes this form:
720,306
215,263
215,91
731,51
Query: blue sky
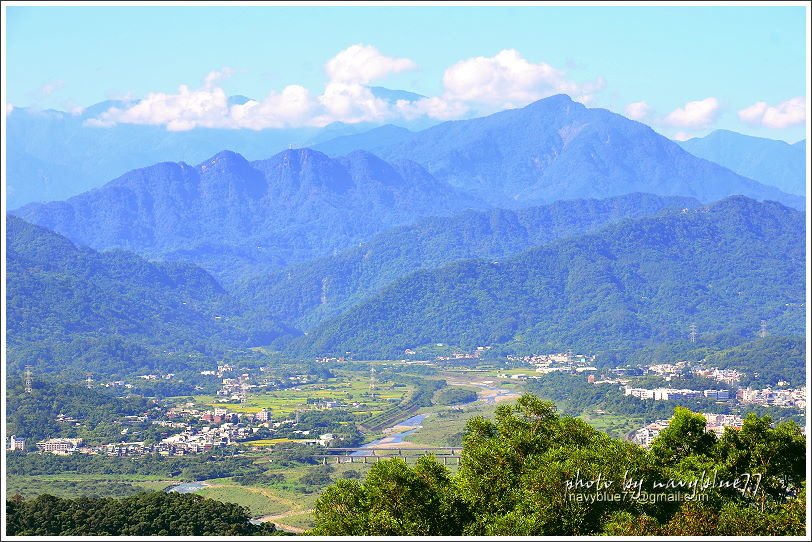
686,70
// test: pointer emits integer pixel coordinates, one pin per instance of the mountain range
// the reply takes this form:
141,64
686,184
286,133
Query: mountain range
555,149
547,227
228,214
308,293
54,155
236,217
724,267
771,162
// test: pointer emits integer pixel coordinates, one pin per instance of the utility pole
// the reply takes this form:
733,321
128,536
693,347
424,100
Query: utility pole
692,333
29,379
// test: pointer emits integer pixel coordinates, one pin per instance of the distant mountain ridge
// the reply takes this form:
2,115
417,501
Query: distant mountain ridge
227,211
724,267
311,292
771,162
555,149
53,155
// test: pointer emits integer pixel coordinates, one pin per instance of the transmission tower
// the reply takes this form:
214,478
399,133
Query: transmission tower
569,355
29,379
763,331
89,380
372,382
692,333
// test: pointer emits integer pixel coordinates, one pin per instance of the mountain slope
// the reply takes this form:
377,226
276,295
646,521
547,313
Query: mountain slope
558,149
227,212
308,293
724,267
72,308
375,138
771,162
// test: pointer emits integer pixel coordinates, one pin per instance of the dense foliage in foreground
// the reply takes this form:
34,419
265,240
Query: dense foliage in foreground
156,513
520,474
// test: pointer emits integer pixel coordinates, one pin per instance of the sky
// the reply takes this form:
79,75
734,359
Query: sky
683,70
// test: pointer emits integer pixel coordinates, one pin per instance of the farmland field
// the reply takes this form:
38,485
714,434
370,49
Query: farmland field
350,387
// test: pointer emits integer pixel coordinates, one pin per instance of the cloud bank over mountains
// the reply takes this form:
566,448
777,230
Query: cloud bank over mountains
471,87
478,85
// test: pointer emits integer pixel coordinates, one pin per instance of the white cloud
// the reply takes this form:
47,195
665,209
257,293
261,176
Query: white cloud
787,113
50,87
509,80
363,64
293,106
216,76
184,110
350,102
475,85
637,110
696,114
9,108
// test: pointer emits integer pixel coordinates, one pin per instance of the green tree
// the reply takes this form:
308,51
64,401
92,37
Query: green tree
685,435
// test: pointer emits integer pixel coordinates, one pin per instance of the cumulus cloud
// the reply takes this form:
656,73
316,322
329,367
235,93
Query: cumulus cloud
350,102
509,80
363,64
787,113
696,114
184,110
637,110
473,85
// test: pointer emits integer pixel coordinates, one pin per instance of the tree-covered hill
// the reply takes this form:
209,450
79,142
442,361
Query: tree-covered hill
113,313
146,514
308,293
724,267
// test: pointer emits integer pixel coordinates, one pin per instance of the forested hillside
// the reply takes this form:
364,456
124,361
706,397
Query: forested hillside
311,292
724,267
73,309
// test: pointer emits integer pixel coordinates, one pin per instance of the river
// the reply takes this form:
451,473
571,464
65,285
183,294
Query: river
186,487
410,425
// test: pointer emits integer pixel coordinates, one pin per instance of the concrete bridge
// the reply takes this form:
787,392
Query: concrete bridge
375,454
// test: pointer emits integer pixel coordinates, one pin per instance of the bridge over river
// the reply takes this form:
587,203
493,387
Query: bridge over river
372,454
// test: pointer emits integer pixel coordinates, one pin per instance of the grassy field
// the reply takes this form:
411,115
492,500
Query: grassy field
303,520
348,387
444,427
612,424
258,500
